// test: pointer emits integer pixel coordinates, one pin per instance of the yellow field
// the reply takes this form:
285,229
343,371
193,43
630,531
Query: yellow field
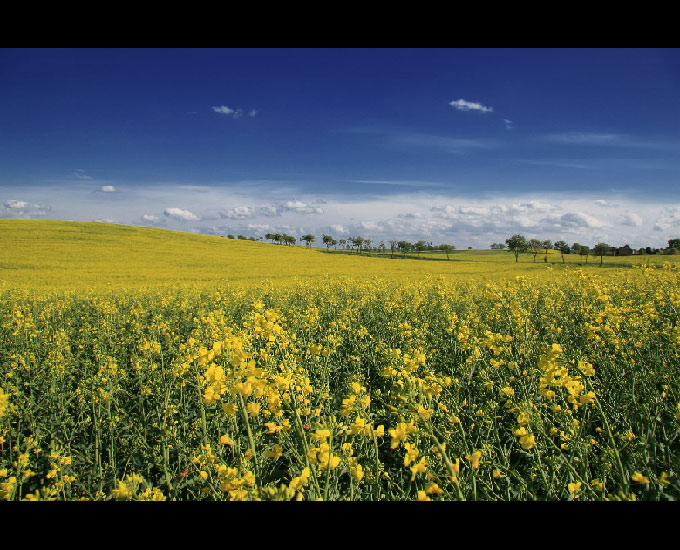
53,255
142,364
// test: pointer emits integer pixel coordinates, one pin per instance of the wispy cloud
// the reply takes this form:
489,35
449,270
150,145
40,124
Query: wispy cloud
233,113
444,143
611,140
406,183
107,189
179,214
463,105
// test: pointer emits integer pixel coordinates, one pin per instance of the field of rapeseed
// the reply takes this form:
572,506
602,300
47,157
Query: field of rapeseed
545,383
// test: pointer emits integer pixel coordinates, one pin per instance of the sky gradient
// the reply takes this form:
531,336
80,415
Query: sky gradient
458,146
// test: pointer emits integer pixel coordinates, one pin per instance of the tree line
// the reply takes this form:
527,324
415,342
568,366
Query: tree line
518,244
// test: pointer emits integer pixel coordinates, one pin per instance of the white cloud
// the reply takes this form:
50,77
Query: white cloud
107,189
463,105
82,175
299,207
631,219
576,219
239,213
19,205
223,109
179,214
474,210
21,209
234,113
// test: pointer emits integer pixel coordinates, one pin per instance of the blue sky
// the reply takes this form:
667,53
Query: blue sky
460,146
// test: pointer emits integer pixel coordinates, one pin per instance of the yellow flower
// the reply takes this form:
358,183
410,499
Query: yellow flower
639,478
433,489
574,488
419,468
229,408
474,459
226,440
275,453
527,442
401,432
253,409
411,453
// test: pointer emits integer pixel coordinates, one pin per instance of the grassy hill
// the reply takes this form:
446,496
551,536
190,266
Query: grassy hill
84,255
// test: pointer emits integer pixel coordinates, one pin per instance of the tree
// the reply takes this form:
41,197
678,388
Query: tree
328,241
535,247
367,244
674,243
393,246
546,244
517,244
600,249
309,239
358,242
497,246
420,246
230,236
447,248
584,251
404,246
563,247
289,239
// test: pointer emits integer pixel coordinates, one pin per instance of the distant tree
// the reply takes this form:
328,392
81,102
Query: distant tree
393,246
420,246
497,246
309,239
333,243
546,244
328,241
367,244
381,246
230,236
575,248
447,248
584,251
404,246
289,239
242,237
343,242
600,249
517,244
535,247
563,247
358,242
277,237
674,243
